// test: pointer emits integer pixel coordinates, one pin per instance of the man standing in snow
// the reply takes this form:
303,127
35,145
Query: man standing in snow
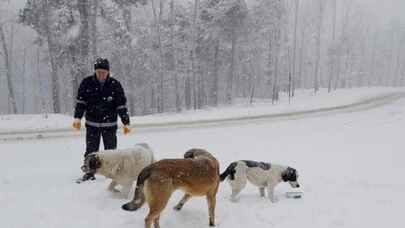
101,99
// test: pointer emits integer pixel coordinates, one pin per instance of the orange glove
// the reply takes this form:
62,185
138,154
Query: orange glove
126,129
76,124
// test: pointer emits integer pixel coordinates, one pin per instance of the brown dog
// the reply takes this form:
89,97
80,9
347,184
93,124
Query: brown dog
197,175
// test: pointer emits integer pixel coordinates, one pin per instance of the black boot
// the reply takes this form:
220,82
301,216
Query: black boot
86,177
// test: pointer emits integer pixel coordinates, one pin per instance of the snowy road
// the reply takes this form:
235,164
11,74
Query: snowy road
250,116
351,167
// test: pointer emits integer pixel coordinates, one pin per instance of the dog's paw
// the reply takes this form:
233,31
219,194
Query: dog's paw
130,207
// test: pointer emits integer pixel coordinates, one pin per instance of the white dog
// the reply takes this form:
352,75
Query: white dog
122,166
260,174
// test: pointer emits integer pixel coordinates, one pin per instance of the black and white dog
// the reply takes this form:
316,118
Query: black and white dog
261,174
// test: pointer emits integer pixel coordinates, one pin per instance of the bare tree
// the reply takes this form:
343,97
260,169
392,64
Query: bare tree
332,50
93,27
173,61
275,47
294,64
194,36
24,80
8,67
52,57
158,24
277,44
234,15
214,88
318,46
40,93
83,39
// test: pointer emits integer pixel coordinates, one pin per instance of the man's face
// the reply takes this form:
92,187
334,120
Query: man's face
101,74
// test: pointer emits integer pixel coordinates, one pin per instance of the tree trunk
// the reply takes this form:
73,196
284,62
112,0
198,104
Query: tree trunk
333,49
275,94
203,95
23,77
187,93
7,61
372,67
252,88
346,69
84,38
93,28
318,47
158,20
398,64
290,72
297,5
270,62
41,89
153,98
214,88
345,22
173,61
194,37
128,60
81,53
73,71
231,76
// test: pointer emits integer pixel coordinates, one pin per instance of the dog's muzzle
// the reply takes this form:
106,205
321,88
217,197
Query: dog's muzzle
295,184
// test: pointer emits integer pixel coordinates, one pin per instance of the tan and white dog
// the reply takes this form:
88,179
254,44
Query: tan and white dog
261,174
197,175
122,166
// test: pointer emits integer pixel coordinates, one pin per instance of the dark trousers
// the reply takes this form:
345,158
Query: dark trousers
93,138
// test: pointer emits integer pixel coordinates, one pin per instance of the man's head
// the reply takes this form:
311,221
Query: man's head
102,68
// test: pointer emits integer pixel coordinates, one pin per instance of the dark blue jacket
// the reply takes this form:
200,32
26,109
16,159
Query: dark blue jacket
101,103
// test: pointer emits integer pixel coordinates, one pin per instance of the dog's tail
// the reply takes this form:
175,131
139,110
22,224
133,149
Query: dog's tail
230,170
139,196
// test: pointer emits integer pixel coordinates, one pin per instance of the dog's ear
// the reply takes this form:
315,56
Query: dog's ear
196,152
290,174
93,161
189,154
284,176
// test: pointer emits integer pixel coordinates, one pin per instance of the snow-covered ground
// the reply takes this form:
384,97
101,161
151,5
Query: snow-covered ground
351,168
